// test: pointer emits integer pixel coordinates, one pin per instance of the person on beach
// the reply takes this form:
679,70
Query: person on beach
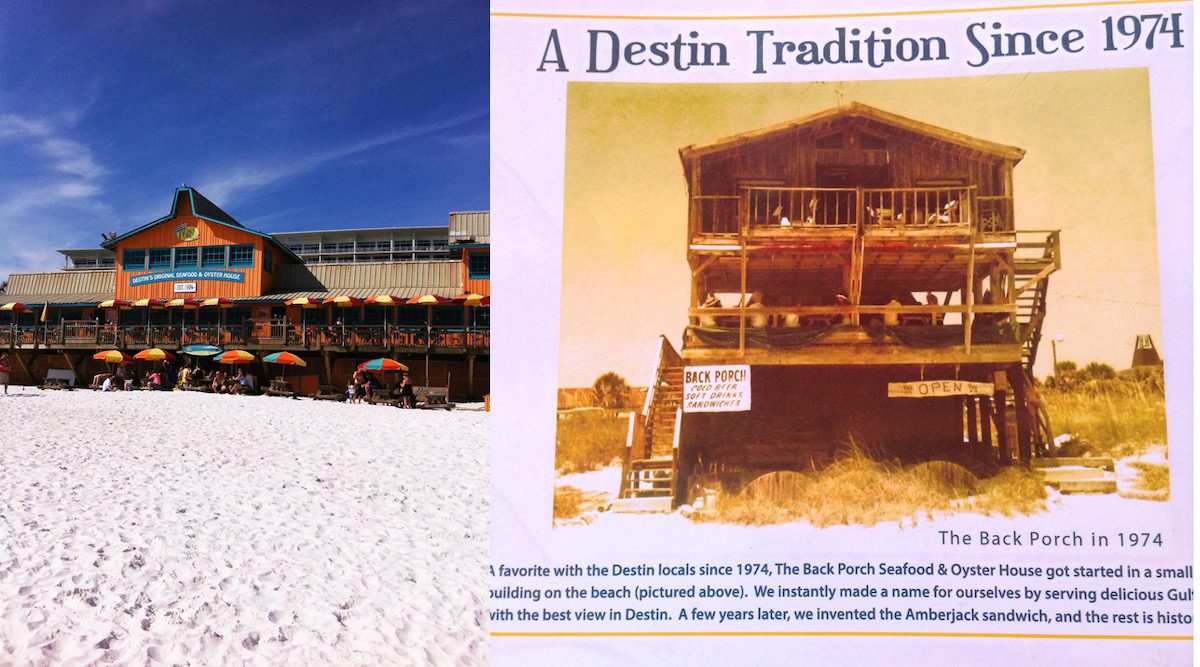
366,385
218,382
108,384
407,397
5,369
357,382
235,387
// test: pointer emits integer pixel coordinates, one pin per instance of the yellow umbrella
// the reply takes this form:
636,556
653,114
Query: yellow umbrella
14,307
112,357
114,304
153,354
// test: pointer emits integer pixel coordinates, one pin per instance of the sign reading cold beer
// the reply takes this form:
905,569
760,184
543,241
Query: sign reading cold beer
931,388
188,274
716,388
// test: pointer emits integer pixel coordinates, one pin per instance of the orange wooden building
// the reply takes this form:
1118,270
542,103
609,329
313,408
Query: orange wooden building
198,251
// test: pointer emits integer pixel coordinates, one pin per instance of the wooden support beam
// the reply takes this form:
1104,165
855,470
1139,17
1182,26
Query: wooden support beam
969,300
1024,443
24,365
972,422
986,417
1032,282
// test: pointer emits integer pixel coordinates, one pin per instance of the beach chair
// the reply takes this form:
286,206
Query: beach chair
385,397
433,398
328,392
280,387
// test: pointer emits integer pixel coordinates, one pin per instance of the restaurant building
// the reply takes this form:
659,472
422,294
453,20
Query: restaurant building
147,288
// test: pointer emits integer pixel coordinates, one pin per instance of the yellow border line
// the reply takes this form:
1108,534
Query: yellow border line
961,635
750,17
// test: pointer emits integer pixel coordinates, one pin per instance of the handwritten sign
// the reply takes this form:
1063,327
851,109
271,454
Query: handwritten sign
716,388
932,388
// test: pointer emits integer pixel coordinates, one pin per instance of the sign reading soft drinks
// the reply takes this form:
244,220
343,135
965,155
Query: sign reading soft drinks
716,388
188,274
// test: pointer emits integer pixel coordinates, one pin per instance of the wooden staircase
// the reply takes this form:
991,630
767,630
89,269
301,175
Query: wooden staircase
650,473
1034,260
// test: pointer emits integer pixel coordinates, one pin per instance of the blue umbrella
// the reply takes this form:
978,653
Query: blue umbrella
202,350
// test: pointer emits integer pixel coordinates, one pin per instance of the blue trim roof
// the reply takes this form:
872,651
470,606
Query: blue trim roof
207,211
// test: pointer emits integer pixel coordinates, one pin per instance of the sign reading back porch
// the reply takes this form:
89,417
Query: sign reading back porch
716,388
932,388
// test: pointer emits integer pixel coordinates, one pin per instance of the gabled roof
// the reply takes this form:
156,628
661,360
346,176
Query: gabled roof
854,110
206,210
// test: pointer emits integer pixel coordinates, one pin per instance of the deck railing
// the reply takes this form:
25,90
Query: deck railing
276,334
759,208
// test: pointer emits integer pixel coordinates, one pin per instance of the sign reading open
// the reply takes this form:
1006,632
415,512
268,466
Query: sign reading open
931,388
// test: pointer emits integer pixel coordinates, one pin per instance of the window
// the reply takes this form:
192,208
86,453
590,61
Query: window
268,260
241,255
185,258
479,265
134,260
212,256
160,258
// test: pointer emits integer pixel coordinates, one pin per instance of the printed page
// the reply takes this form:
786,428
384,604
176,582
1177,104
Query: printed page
842,335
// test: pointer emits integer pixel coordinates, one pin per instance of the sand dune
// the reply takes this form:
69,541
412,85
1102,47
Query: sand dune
183,528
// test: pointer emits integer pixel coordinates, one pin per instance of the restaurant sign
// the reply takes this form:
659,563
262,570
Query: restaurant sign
933,388
188,274
184,288
716,388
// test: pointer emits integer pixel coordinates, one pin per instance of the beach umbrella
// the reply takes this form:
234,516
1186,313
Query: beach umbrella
430,300
235,357
14,307
470,299
112,357
386,300
305,303
382,364
344,301
148,304
114,304
284,358
218,301
153,354
185,303
201,350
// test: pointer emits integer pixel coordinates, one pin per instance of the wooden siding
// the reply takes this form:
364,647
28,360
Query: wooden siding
793,161
163,235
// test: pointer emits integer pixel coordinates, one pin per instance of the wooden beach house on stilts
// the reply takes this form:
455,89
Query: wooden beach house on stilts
867,271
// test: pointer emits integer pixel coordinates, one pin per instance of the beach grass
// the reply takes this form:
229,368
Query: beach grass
570,502
858,491
1112,418
1151,476
588,440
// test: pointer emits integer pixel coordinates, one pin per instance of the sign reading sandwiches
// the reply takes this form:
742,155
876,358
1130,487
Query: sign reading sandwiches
716,388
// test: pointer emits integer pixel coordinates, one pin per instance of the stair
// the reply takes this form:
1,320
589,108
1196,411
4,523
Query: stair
649,475
1078,474
1033,258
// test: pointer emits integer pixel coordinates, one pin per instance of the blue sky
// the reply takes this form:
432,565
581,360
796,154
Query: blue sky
289,116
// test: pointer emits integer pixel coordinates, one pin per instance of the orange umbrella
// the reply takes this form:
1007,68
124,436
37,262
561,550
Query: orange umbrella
235,357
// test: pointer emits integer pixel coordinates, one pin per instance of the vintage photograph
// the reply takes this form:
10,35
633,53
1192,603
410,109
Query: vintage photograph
860,302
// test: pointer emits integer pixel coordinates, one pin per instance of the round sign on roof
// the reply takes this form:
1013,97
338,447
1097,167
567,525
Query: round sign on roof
187,232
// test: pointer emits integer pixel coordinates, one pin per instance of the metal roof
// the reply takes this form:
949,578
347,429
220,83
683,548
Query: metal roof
403,279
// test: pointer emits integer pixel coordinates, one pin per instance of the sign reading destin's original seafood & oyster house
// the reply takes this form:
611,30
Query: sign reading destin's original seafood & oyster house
188,274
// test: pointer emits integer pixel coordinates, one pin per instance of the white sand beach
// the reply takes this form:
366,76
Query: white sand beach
185,528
